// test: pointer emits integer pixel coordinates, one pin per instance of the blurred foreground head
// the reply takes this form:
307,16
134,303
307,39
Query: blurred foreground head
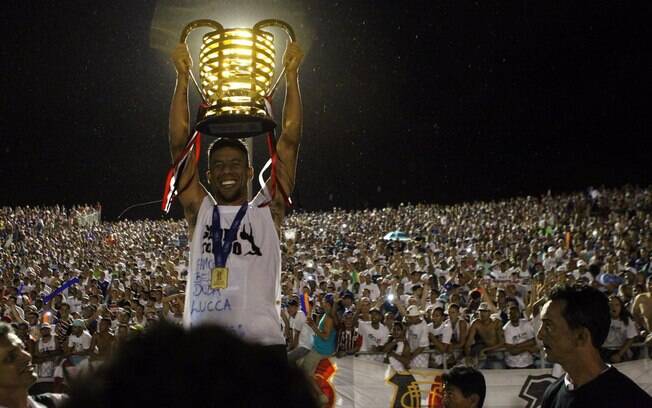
168,366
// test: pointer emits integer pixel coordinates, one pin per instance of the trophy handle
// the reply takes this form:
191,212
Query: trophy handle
276,23
199,23
184,35
288,30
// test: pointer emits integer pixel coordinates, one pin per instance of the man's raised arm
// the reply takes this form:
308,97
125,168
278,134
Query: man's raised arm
288,144
190,195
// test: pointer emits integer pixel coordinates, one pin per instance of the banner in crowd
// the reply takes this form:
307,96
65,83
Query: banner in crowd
357,383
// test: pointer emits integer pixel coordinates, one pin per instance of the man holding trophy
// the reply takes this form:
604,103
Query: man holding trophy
235,258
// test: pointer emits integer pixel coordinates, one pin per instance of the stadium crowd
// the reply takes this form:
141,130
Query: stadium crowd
413,286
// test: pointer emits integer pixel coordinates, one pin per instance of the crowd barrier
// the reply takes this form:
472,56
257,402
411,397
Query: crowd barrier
359,383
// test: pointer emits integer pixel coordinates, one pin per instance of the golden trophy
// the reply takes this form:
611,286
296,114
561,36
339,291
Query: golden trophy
236,69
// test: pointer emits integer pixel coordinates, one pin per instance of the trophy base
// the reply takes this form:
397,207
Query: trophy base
235,126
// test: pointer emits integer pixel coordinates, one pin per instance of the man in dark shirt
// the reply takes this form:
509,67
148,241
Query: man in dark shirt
575,323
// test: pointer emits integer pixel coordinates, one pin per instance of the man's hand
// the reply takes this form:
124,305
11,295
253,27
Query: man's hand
181,59
292,58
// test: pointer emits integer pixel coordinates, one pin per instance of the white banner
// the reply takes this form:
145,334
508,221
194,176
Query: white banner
360,383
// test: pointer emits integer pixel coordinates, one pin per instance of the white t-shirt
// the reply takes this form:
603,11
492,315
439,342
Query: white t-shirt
417,335
372,338
374,291
46,368
619,333
397,365
306,336
250,305
443,333
81,343
297,323
515,335
75,305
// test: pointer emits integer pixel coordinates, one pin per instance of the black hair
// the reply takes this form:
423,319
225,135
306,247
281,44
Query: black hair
624,313
228,142
584,307
468,380
206,366
594,270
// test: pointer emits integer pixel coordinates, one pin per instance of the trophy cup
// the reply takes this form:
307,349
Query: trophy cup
236,68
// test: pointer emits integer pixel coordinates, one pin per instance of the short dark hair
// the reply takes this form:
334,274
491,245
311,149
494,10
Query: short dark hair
468,380
228,142
584,306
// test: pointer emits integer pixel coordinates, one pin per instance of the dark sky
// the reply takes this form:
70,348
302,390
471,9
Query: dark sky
441,101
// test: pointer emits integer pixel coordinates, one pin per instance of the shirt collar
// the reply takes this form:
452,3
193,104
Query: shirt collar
569,383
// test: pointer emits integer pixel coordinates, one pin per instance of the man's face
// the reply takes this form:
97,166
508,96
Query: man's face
453,398
292,310
375,317
559,340
514,314
228,175
16,369
485,316
453,313
437,317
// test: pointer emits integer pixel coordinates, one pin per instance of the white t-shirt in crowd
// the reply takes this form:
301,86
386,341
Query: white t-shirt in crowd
515,335
374,291
373,338
443,333
46,368
75,305
296,323
417,335
81,343
306,335
619,333
397,365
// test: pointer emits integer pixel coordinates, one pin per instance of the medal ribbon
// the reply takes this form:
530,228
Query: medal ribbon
221,250
172,189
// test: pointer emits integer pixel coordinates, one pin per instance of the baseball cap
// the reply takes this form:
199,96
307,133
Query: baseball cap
78,323
483,306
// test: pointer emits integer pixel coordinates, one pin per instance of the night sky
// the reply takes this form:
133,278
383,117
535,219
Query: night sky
420,101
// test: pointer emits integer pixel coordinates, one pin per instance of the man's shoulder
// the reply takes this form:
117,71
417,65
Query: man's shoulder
550,394
299,317
625,386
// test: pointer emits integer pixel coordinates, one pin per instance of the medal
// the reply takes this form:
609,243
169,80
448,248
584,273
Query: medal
220,278
221,250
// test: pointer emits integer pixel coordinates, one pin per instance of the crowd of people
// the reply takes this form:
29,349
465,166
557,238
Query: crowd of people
460,285
464,284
